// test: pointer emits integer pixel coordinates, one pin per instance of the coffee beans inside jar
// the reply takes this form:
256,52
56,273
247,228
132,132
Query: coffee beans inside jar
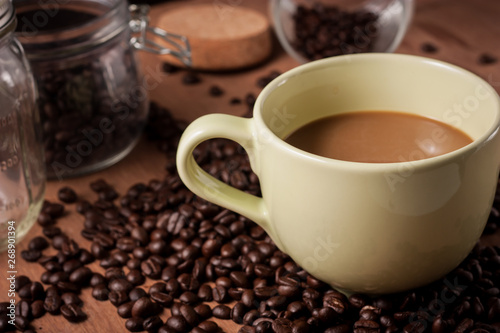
92,104
324,31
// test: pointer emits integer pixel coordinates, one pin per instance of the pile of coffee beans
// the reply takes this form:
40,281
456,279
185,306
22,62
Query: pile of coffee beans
325,31
89,115
209,262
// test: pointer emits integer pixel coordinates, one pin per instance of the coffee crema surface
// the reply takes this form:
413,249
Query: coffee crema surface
378,137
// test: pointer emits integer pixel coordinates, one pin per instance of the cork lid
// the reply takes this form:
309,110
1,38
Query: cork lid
222,37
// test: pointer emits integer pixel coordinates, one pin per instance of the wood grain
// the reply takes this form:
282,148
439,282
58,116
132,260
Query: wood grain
462,30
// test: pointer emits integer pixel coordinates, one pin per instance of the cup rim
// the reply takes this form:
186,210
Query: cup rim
362,57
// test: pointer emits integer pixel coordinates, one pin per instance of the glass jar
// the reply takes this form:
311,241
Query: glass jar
315,29
22,170
92,98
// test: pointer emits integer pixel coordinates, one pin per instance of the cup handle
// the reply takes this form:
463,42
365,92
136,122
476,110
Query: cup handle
204,185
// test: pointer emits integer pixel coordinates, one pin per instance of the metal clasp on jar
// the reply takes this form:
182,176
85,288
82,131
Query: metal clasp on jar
176,45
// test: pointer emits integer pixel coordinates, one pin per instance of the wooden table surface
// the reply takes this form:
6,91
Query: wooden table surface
461,29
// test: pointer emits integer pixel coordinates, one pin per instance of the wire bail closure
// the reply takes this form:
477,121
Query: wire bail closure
177,45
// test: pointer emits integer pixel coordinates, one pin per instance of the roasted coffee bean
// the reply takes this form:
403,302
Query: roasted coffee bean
100,292
134,324
189,297
177,323
125,310
71,298
52,303
23,309
162,298
487,59
152,324
190,315
117,298
282,325
137,293
219,294
21,281
342,328
221,311
235,101
215,91
238,312
54,210
67,195
120,285
81,276
96,279
135,277
190,78
73,313
38,244
209,326
250,317
203,310
143,308
31,255
21,323
151,269
51,231
428,47
37,309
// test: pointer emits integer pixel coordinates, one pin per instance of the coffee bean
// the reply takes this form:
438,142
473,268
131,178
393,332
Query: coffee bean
215,91
38,244
235,101
487,59
282,325
67,195
134,324
221,311
189,297
190,78
203,310
21,281
428,47
120,285
100,292
152,324
125,310
81,276
73,313
31,255
37,309
219,294
177,323
71,298
190,315
54,210
143,308
136,293
250,317
21,323
238,312
209,326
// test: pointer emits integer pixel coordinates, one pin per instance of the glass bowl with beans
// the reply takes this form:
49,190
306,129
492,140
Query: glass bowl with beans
315,29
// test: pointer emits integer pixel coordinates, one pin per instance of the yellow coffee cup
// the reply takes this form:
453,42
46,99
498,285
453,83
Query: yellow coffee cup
362,227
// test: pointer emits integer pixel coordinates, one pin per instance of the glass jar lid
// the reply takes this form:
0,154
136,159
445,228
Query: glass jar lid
6,16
